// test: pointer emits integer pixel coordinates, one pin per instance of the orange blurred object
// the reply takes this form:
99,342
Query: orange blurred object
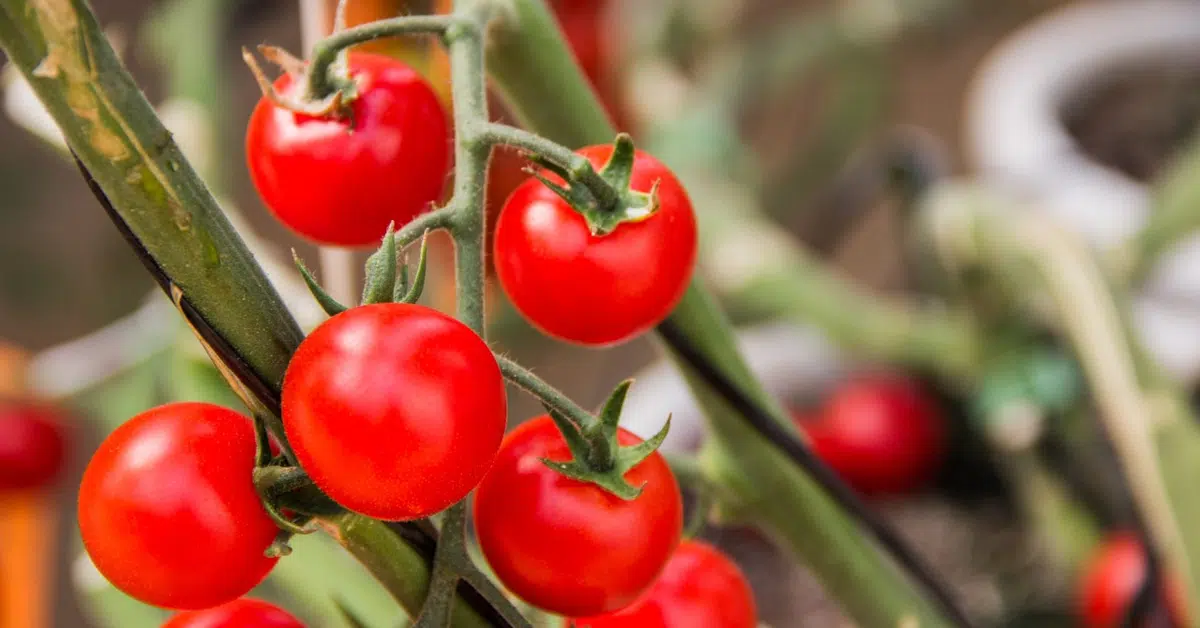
363,11
28,525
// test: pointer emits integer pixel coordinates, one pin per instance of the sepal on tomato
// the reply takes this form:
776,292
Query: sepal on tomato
384,284
597,457
331,305
333,104
404,291
380,271
605,215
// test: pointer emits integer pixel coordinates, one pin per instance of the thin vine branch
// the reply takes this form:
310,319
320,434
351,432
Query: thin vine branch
547,394
326,51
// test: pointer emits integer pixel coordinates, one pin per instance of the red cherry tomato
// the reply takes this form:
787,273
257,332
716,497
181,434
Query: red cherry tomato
168,510
32,445
882,435
571,547
1112,579
699,588
394,410
241,613
342,180
596,290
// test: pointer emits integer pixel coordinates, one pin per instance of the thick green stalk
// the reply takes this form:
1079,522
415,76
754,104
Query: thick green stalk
853,570
526,65
106,120
395,563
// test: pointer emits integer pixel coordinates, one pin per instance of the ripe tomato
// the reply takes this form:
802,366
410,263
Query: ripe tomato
32,445
342,180
394,410
168,510
883,435
588,289
1112,579
567,546
240,613
699,588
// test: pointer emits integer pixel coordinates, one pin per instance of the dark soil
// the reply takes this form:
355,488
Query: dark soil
1138,119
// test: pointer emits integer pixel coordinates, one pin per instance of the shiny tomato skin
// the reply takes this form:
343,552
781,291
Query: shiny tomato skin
570,547
588,289
1113,577
33,445
395,410
240,613
884,435
340,181
168,510
699,588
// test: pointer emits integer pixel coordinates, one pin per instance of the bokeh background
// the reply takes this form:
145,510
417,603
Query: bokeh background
843,95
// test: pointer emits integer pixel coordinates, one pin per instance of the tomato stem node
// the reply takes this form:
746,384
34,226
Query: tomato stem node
380,271
603,211
597,457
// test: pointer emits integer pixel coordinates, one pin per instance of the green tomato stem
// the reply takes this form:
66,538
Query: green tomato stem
321,82
550,396
577,167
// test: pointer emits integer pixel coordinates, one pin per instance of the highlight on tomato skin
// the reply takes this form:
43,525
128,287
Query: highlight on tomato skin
340,180
395,410
1112,578
699,588
33,445
596,290
570,547
240,613
168,511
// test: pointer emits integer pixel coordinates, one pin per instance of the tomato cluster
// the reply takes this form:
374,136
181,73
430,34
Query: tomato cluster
397,411
883,434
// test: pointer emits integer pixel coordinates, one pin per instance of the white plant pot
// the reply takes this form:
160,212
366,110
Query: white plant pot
1017,142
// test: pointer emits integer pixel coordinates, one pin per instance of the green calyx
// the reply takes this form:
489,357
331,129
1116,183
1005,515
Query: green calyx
385,283
328,95
597,456
605,207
